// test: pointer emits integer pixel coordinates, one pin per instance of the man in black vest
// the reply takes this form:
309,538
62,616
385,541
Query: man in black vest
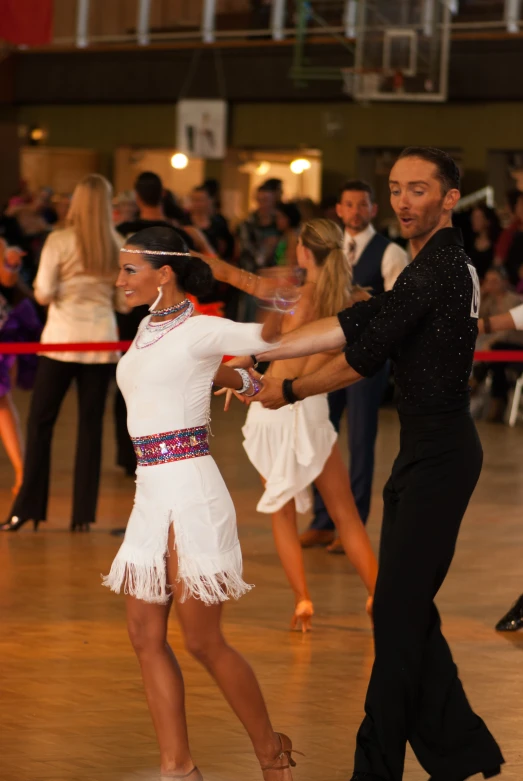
376,264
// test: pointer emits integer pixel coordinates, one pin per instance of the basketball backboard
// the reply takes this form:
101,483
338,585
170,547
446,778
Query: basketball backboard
402,50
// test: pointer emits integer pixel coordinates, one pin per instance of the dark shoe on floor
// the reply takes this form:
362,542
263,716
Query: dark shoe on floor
513,619
366,777
336,547
485,773
313,537
118,532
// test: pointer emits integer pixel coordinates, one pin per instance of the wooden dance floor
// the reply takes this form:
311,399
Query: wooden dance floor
71,702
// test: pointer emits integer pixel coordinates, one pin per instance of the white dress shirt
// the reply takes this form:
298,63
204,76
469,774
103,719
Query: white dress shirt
394,258
81,307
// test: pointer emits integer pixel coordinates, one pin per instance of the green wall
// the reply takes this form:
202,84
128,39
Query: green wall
475,128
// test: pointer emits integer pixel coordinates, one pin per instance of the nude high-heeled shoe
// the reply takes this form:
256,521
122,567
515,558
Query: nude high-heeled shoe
282,762
194,775
303,614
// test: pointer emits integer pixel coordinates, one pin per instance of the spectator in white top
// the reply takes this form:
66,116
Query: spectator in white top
76,278
376,264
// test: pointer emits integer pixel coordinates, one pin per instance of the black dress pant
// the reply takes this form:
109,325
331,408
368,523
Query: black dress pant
53,379
414,693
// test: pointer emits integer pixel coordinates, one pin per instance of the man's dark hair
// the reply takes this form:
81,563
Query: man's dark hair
149,188
447,170
513,197
273,185
356,186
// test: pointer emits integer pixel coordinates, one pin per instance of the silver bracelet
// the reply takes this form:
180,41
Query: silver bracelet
246,379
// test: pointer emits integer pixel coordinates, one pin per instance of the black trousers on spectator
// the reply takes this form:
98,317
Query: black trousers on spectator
414,693
53,379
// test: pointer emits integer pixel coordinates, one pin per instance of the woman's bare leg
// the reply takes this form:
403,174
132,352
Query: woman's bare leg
286,538
201,627
334,487
163,682
11,436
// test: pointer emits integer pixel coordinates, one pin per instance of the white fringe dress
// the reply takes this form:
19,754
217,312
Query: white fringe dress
289,447
167,387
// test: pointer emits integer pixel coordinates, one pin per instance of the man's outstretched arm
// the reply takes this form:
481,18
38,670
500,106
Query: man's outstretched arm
332,376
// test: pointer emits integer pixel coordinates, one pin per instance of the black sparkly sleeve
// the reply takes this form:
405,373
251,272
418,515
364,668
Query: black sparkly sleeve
356,318
409,300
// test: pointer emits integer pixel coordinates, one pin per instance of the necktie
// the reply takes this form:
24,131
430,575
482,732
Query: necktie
351,252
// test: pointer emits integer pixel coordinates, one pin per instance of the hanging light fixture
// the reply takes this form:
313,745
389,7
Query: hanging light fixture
300,165
179,161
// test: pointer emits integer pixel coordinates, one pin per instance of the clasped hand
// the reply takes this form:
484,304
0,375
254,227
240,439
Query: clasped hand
270,394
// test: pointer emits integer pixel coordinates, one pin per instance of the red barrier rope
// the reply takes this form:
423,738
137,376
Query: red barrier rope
28,348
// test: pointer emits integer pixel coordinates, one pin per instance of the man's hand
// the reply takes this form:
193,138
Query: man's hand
271,395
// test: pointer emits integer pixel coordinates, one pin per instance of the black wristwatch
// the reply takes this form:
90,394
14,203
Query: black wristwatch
287,391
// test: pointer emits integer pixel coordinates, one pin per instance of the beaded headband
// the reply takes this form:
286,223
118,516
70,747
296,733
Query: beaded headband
154,252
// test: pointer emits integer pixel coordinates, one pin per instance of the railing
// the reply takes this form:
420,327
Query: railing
144,22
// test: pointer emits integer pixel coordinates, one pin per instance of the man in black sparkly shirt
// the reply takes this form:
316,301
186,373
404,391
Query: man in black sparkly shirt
427,325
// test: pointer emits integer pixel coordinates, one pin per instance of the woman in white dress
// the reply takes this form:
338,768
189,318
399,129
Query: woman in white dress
181,545
297,445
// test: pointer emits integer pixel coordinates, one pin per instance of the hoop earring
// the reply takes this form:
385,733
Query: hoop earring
160,294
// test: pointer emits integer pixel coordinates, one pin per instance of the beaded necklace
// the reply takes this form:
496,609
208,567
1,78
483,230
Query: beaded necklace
159,330
170,310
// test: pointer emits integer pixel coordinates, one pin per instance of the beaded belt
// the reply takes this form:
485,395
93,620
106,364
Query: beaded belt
172,446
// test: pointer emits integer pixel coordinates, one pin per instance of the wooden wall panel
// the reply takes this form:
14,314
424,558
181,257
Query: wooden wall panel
233,6
64,18
112,18
59,168
116,17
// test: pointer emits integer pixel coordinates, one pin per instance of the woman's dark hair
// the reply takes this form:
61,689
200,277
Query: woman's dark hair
291,211
193,275
494,225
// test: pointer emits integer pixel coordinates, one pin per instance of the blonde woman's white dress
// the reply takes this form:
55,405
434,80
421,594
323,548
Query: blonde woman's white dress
167,387
289,448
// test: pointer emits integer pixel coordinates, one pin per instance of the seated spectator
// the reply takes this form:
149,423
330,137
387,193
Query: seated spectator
288,220
514,254
506,237
486,229
497,299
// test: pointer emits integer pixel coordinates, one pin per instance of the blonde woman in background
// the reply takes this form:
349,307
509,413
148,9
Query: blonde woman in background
297,444
76,278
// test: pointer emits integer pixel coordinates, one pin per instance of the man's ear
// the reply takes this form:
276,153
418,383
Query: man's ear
451,199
